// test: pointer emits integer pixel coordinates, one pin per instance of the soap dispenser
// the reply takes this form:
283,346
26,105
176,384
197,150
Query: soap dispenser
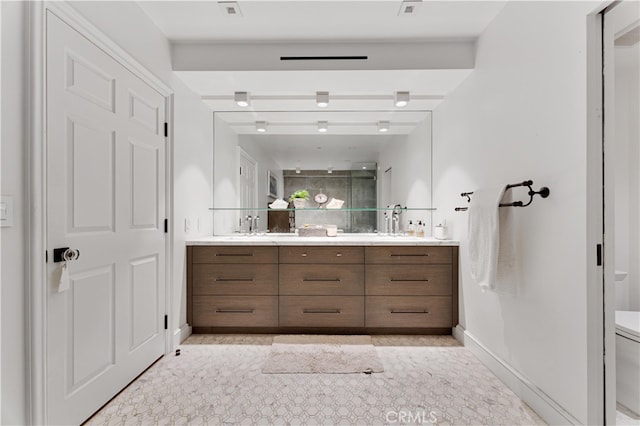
411,230
420,230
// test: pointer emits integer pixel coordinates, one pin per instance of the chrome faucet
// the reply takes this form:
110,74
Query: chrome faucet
250,222
397,209
256,218
387,223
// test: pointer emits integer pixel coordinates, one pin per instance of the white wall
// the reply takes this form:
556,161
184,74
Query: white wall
13,360
627,177
129,27
266,162
225,172
193,189
410,160
522,115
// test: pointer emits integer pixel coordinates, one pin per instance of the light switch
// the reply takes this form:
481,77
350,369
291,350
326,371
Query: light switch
6,211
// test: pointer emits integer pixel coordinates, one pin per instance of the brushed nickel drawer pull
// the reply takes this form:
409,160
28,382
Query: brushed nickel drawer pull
234,254
338,254
401,311
234,279
234,311
304,255
393,280
409,255
321,311
321,279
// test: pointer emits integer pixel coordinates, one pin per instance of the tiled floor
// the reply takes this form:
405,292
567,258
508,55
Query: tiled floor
218,380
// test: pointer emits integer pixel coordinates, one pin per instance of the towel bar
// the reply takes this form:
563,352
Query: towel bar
543,192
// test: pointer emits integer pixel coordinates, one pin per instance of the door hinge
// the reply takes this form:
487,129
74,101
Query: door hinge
599,254
166,322
166,130
166,226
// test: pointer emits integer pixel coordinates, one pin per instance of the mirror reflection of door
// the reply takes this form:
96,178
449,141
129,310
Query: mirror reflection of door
247,191
385,196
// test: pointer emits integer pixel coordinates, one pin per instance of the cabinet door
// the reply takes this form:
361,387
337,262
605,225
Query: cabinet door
321,311
322,279
408,255
235,311
235,279
408,280
321,254
235,254
408,311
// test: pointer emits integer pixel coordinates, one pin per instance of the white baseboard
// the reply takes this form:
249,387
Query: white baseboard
527,391
458,333
180,334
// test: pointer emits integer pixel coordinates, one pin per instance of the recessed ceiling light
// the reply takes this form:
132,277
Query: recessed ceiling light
323,126
383,126
401,99
241,98
322,99
230,8
364,167
261,126
409,7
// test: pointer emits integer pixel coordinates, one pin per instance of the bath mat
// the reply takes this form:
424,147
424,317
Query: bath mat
322,354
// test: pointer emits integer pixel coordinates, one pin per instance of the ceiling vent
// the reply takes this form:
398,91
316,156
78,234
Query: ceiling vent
230,8
324,58
409,7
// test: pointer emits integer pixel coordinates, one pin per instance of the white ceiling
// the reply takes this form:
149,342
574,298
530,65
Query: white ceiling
340,122
324,20
318,152
286,99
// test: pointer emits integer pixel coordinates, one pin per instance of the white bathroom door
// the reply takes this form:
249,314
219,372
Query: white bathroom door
621,31
106,199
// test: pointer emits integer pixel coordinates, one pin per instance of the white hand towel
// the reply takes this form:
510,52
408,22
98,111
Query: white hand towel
507,275
484,234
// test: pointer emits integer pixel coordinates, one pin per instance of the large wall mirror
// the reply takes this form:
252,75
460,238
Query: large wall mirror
367,160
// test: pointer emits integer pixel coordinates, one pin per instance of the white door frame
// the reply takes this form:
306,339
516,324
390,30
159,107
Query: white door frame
616,18
601,375
594,231
36,327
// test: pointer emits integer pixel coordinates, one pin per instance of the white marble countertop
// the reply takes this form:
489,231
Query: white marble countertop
340,240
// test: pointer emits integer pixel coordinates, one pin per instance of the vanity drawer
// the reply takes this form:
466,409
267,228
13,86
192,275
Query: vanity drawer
408,311
321,279
321,311
235,311
408,254
235,279
408,280
324,254
235,254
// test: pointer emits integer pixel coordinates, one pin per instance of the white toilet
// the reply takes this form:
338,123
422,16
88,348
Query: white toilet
628,359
